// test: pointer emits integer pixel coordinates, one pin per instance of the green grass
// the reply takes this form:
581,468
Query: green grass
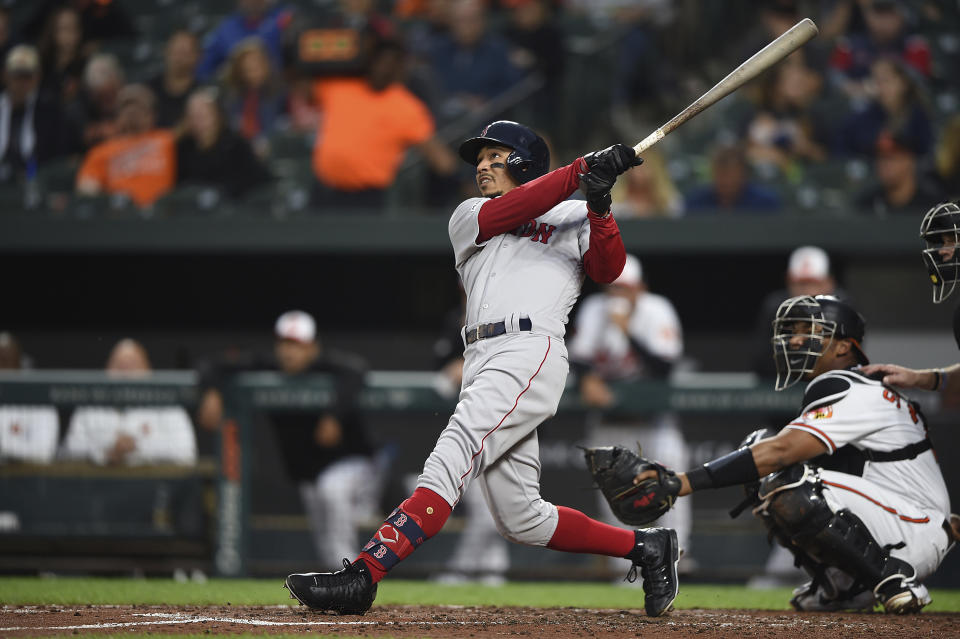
77,591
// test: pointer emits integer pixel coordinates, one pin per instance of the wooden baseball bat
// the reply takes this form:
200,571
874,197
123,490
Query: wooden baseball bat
798,35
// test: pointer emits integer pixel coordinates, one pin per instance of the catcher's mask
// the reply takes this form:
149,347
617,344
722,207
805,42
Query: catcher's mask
530,157
940,233
803,329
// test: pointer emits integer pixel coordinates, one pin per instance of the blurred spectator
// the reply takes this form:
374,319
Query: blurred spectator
537,45
730,189
31,123
900,188
253,94
622,335
808,273
260,18
100,20
887,34
178,78
6,39
130,436
355,162
791,123
27,433
94,115
647,191
140,162
471,64
948,158
61,50
642,74
895,105
327,452
209,153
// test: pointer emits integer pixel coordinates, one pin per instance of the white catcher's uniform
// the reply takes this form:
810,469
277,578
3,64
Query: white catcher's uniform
513,382
899,501
600,343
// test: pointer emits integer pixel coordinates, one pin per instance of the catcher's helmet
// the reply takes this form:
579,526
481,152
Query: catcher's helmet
815,321
530,157
940,231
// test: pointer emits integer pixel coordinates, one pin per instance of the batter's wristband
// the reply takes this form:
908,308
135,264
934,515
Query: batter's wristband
733,469
937,380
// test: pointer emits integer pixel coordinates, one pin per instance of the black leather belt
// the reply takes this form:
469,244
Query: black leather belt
483,331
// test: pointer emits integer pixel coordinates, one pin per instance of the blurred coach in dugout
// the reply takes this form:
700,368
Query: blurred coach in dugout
624,334
326,452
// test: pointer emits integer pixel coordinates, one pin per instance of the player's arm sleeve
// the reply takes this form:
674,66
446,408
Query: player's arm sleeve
828,413
528,201
604,255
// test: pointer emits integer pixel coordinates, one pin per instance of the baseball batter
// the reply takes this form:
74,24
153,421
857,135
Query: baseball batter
521,250
851,486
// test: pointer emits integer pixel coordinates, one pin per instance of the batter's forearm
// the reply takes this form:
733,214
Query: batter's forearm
606,256
528,201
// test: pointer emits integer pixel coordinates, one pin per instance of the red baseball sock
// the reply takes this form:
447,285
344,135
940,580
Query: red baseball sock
578,533
416,520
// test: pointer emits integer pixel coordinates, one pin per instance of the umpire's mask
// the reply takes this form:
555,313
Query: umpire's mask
940,233
800,334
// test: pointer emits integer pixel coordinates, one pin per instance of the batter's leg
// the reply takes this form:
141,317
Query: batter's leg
512,489
511,384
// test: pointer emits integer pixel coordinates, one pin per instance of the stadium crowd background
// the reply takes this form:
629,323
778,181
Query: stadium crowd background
862,121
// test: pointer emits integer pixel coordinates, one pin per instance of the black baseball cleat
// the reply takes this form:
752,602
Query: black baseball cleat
656,553
350,591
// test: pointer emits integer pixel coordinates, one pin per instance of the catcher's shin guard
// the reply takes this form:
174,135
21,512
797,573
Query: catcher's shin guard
794,506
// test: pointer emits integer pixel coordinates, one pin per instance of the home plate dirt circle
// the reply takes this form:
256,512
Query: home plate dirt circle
466,621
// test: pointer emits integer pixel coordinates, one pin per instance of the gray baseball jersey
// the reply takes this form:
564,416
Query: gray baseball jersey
513,382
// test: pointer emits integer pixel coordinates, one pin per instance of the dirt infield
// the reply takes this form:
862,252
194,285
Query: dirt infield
456,621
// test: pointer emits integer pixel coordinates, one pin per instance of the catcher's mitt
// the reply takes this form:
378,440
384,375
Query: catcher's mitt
614,468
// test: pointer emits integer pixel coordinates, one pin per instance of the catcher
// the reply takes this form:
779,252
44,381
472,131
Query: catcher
851,486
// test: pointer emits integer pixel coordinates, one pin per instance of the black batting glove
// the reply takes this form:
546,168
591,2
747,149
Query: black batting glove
617,159
596,187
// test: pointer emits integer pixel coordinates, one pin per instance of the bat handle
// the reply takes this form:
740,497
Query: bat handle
649,141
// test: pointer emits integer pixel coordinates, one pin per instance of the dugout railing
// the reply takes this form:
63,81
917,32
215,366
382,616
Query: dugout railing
42,506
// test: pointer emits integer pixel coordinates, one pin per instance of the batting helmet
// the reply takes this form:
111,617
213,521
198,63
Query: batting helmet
803,328
530,157
940,232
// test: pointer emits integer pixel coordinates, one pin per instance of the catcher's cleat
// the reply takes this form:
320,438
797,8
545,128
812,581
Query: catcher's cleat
810,597
900,597
656,552
350,591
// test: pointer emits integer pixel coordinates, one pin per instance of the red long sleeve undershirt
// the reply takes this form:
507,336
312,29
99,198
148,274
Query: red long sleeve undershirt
605,256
